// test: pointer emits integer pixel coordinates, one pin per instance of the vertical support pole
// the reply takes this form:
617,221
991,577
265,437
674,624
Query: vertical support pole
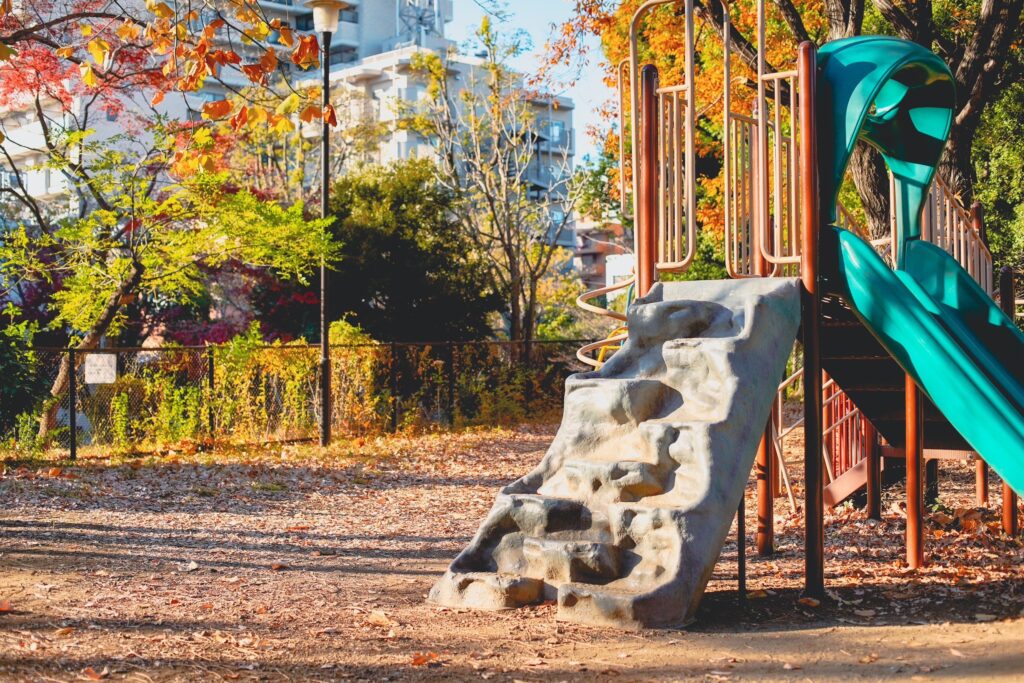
981,481
209,389
73,402
765,499
874,472
814,533
450,382
1008,302
765,538
915,456
741,549
393,380
325,197
647,201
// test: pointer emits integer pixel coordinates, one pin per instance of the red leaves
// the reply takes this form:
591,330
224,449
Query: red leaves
307,52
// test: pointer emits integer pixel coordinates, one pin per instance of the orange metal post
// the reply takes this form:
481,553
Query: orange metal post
915,457
1007,300
647,201
814,539
765,499
763,462
874,472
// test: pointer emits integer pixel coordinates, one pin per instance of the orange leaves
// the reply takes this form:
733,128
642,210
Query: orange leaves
330,115
239,120
91,674
423,658
217,109
255,73
5,606
310,113
307,53
157,98
313,112
128,32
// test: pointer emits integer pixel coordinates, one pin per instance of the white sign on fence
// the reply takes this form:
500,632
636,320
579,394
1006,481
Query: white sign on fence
101,368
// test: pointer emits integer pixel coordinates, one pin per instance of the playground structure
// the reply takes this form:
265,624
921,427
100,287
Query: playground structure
906,354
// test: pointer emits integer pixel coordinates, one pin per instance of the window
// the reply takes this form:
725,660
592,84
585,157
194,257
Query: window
350,15
304,22
556,130
344,55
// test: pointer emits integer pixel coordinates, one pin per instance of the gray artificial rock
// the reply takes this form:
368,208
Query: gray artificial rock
623,520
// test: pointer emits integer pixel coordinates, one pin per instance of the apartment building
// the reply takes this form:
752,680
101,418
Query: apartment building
385,87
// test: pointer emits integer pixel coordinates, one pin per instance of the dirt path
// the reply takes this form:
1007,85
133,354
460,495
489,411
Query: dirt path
286,564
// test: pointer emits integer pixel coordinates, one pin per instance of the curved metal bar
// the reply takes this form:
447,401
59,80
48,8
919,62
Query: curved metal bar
581,353
583,299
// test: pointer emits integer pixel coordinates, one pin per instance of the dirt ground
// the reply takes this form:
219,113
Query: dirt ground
286,563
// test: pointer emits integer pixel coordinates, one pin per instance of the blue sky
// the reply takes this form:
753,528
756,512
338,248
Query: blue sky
536,17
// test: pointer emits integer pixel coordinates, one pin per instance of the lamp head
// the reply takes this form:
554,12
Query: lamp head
325,14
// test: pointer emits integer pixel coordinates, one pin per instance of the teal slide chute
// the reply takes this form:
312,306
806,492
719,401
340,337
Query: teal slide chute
928,313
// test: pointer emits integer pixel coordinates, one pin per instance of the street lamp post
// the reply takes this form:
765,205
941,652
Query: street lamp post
325,22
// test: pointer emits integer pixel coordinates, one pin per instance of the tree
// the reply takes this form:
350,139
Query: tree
141,242
407,271
514,195
999,164
980,40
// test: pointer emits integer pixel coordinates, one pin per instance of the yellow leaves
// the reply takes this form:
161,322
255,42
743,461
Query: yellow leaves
88,75
65,52
86,29
809,602
217,109
202,137
99,50
282,124
288,105
160,9
307,52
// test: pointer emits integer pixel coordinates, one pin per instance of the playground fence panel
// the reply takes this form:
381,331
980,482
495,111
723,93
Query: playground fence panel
149,399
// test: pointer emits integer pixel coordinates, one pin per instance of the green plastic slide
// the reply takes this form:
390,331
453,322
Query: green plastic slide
928,313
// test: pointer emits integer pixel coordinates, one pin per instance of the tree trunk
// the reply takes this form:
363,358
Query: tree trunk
867,168
59,388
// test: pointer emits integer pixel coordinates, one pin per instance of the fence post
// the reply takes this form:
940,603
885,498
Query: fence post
209,389
394,387
450,381
73,403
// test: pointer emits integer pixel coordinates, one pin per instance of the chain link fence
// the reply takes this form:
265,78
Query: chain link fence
140,400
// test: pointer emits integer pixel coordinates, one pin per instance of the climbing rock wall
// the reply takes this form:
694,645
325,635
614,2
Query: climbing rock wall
623,520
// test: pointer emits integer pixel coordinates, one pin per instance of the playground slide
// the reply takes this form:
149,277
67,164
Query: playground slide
623,520
945,331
